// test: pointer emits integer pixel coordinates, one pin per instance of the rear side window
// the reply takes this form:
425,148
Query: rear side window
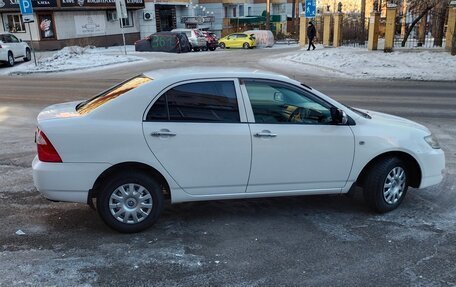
197,102
109,95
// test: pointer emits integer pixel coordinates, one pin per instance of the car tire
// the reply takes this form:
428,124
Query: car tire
246,45
10,61
130,202
28,55
386,185
222,45
212,48
196,49
204,48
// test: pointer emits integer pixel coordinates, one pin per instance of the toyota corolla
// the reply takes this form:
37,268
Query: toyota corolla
208,134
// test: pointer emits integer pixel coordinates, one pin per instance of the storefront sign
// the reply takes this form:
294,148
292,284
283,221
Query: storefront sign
90,25
14,4
99,3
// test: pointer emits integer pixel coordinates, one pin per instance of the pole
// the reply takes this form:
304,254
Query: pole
31,43
268,13
123,35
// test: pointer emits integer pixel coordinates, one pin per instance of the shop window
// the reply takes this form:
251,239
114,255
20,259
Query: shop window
234,12
241,10
15,24
46,26
128,22
226,12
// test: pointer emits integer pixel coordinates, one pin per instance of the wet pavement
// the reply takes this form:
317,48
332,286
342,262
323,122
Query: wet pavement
291,241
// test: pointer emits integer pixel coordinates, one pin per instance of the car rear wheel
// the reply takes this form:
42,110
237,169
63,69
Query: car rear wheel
196,49
10,61
130,202
212,48
28,55
204,48
222,45
386,185
246,45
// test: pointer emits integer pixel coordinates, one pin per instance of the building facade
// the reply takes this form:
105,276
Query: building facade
60,23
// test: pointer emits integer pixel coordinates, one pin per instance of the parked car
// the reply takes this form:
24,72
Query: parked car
12,48
173,42
195,37
263,38
238,40
211,41
209,134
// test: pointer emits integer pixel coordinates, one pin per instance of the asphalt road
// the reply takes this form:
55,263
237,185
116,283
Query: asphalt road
291,241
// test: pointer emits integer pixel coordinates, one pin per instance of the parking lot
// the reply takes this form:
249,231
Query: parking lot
290,241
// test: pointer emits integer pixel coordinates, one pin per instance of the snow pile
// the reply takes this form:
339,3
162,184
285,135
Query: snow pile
75,58
360,63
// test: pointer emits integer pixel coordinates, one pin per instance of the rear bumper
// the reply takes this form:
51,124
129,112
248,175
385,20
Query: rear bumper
432,168
66,181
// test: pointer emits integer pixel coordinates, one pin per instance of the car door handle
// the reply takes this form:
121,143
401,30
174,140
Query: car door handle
265,134
163,133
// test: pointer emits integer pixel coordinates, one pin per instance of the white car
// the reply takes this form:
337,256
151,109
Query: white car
196,134
195,37
12,48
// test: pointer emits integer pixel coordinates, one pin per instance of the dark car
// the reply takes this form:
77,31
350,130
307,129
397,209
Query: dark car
172,42
211,41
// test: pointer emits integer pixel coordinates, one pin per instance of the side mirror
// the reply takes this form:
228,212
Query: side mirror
338,116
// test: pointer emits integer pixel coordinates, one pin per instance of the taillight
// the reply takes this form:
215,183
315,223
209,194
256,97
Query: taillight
46,151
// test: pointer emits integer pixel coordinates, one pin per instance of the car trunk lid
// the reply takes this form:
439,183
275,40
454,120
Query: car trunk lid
59,111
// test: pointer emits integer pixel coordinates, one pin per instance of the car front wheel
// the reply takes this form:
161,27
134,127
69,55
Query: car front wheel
386,184
130,202
28,55
222,45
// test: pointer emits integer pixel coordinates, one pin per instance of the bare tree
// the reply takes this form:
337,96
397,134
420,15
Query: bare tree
421,9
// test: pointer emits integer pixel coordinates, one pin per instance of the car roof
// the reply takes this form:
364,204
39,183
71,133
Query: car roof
187,73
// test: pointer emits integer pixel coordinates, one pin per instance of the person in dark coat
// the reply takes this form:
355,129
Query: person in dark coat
311,32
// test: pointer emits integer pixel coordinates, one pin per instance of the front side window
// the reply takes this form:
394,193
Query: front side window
213,101
15,24
13,39
276,103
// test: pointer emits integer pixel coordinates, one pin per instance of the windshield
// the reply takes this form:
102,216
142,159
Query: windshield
110,94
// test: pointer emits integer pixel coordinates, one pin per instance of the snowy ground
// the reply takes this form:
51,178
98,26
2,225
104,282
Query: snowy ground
74,58
345,62
353,62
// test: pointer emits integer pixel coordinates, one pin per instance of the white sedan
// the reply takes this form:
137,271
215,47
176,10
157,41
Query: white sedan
212,133
12,48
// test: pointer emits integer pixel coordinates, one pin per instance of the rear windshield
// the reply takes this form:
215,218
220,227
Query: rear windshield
110,94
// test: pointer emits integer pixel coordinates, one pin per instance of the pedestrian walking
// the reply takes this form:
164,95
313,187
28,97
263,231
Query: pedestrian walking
311,32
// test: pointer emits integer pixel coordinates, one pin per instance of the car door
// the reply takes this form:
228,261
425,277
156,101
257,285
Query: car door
230,40
295,146
239,41
198,132
16,46
242,38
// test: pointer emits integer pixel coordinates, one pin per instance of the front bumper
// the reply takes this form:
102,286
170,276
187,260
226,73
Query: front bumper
66,181
432,167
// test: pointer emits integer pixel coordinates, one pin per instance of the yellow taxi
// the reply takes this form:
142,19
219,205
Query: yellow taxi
238,40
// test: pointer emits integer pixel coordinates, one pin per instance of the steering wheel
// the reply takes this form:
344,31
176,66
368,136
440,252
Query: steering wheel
297,115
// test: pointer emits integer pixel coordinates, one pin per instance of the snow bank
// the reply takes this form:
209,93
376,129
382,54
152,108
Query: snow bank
359,63
75,58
